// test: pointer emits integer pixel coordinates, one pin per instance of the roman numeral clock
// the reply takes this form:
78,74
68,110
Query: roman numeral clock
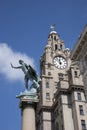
60,62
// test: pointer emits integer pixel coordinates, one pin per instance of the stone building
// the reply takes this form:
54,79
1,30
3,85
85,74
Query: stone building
80,54
62,104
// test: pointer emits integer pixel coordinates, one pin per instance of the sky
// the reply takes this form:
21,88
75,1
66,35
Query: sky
24,29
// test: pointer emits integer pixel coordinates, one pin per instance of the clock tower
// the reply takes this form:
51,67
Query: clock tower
60,83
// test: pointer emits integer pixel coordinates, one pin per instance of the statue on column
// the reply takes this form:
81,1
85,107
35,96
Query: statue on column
30,75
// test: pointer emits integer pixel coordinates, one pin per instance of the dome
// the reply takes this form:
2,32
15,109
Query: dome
53,32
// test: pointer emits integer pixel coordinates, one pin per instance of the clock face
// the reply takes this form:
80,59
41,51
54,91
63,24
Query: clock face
60,62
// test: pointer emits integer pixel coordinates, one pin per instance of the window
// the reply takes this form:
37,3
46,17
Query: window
75,73
81,110
55,46
43,70
47,96
49,73
60,47
60,76
83,124
51,36
49,65
79,96
55,38
47,84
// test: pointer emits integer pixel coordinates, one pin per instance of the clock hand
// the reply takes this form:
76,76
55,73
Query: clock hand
60,62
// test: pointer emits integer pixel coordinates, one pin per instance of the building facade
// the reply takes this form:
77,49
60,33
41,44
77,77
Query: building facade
62,104
80,54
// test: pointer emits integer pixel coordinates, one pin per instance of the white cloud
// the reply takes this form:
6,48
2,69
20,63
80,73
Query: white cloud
7,56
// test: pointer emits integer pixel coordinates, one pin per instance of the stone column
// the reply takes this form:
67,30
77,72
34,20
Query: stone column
27,106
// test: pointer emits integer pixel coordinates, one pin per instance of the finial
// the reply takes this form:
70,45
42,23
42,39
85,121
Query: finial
52,27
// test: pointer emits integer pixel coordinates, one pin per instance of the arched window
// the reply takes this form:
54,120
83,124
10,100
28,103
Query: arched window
51,36
55,38
75,73
61,47
55,46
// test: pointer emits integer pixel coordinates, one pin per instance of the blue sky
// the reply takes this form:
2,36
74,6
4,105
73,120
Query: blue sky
24,29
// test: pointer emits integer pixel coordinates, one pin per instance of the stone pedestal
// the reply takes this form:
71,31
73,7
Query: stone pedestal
27,105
